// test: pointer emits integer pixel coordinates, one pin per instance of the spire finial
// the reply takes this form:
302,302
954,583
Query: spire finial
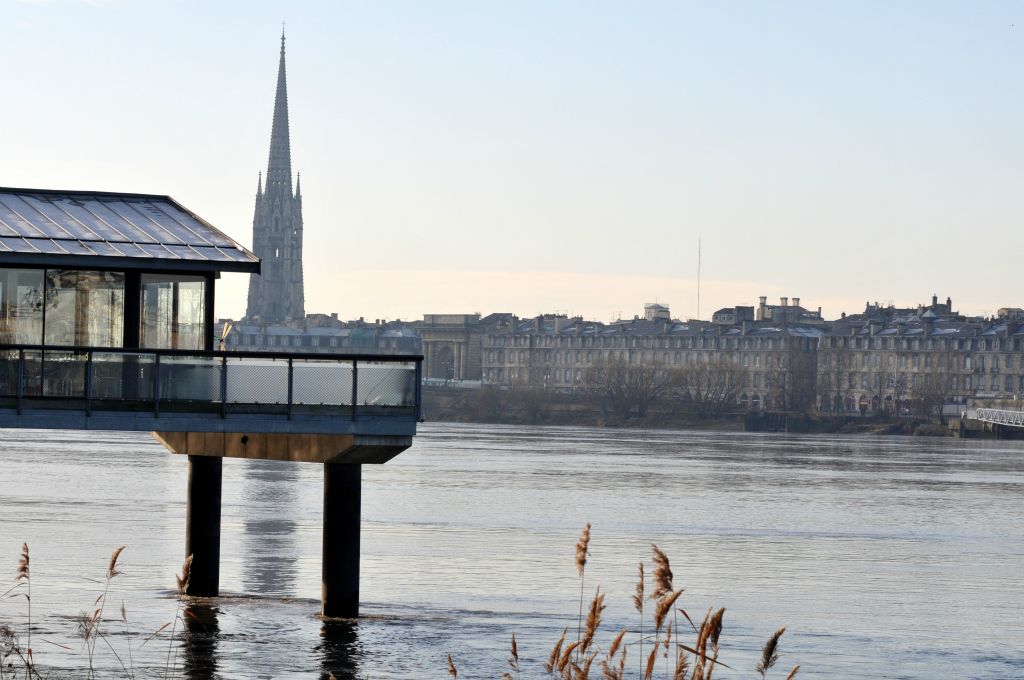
282,37
298,184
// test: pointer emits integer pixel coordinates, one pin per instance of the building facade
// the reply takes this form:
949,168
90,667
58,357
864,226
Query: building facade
276,294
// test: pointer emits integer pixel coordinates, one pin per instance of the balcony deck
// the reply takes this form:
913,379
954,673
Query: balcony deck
179,391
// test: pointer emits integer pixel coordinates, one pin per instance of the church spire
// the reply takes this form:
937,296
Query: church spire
276,294
279,168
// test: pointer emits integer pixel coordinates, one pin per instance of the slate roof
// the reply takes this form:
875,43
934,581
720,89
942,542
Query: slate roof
94,229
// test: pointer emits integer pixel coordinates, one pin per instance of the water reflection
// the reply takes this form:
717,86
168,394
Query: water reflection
199,642
269,542
339,649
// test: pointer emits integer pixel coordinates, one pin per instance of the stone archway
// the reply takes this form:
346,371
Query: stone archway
444,363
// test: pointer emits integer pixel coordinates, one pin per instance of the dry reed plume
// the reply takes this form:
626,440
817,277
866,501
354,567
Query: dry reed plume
186,573
452,670
513,660
582,549
573,661
662,574
770,653
593,621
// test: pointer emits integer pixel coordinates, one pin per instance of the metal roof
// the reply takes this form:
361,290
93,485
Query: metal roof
85,229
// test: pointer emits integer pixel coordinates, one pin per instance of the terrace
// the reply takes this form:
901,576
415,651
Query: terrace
106,323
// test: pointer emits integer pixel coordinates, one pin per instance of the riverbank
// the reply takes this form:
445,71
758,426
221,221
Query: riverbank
536,407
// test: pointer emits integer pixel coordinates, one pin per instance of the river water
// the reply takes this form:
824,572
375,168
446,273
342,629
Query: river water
884,557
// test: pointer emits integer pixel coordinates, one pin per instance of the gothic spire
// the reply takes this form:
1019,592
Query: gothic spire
279,168
259,184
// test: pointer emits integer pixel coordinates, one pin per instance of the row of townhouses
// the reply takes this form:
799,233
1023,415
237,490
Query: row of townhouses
788,357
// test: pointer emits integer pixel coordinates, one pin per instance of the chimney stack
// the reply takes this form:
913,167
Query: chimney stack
784,301
796,302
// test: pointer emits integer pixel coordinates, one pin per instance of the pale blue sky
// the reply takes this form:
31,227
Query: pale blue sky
538,156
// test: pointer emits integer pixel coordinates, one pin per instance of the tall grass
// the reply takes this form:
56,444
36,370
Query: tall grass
698,660
20,661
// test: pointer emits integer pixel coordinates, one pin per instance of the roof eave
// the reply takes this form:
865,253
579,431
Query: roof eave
107,262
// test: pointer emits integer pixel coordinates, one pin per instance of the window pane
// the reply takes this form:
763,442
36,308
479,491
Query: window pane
84,308
173,311
21,306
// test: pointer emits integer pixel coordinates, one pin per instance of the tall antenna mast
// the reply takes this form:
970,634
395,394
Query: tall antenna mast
698,279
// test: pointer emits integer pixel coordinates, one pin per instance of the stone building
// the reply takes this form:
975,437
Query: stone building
900,360
451,344
554,352
276,293
275,318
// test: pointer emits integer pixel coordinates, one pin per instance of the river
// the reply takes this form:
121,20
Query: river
883,557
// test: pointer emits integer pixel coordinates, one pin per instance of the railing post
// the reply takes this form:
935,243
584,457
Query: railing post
21,378
156,385
223,385
419,390
355,387
291,386
88,384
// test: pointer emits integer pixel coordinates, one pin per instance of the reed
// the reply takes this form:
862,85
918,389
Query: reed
638,603
697,662
452,670
513,660
770,653
582,550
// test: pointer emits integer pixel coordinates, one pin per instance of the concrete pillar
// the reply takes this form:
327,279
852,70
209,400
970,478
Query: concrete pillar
202,525
340,575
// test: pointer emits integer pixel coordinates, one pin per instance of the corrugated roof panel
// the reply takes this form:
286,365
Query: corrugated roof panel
74,247
13,223
135,213
18,245
37,224
102,211
185,253
155,250
98,229
80,211
213,254
64,225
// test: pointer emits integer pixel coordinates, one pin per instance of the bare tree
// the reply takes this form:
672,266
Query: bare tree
832,380
792,377
935,383
630,389
712,386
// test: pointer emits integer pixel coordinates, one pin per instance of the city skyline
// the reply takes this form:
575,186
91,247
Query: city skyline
555,158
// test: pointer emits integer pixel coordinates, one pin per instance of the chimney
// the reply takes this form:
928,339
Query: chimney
796,302
949,303
763,299
935,299
334,315
747,326
784,301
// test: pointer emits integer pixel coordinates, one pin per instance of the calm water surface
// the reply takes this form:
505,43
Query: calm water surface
884,557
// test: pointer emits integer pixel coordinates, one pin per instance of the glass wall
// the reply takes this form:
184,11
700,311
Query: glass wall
84,308
173,312
21,306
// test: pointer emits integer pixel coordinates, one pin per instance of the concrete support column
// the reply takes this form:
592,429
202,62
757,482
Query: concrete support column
340,576
202,525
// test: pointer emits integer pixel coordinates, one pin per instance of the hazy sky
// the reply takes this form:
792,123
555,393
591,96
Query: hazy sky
555,156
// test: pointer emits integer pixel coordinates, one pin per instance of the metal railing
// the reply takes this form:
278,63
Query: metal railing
1000,416
223,382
